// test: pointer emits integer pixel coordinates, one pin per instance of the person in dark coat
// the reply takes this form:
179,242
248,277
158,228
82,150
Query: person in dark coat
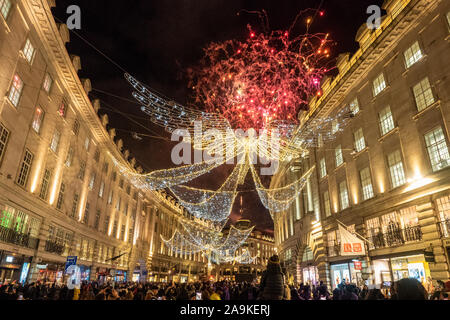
272,281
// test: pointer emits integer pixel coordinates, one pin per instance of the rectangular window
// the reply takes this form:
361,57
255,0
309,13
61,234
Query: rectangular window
86,143
121,183
62,111
60,201
412,54
339,157
360,143
25,169
379,84
437,149
48,81
366,183
82,170
320,141
122,232
106,224
386,121
114,233
423,94
323,168
97,219
118,204
37,119
354,106
334,126
16,90
28,51
101,190
110,197
396,169
86,214
69,157
74,206
344,195
55,141
5,7
327,204
45,184
105,167
92,182
4,135
76,127
97,155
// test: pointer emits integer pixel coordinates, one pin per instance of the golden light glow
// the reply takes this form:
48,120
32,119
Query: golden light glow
55,186
417,181
36,177
381,185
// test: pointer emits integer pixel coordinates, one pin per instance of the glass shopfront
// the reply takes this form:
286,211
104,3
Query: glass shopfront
120,276
85,273
345,272
393,269
50,272
311,275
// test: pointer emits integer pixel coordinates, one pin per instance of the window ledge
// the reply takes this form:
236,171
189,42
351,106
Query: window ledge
423,59
7,101
381,93
366,149
342,165
436,104
381,139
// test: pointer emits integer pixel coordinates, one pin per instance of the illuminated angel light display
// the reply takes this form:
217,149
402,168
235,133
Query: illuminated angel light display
259,84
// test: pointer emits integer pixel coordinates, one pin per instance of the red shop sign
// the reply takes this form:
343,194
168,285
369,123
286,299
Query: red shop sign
358,265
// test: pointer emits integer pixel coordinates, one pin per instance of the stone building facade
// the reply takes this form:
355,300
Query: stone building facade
386,175
61,193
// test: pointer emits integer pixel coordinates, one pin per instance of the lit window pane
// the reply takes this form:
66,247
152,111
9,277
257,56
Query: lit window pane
5,6
354,106
48,81
412,54
396,169
437,149
366,184
386,121
379,84
323,168
343,195
360,143
28,51
16,90
423,94
327,205
339,157
37,121
55,141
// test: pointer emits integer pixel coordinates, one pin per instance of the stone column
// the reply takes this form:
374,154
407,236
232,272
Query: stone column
431,236
43,236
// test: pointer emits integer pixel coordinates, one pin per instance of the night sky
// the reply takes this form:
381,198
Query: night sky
157,41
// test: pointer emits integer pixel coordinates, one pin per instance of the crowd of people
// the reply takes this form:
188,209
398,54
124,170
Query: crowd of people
271,287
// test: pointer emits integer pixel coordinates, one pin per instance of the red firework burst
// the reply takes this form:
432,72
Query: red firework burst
270,76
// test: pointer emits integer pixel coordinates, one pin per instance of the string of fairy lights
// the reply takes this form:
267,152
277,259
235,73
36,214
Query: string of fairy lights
252,92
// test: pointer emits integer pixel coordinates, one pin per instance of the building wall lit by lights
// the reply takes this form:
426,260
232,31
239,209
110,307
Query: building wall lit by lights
60,192
393,187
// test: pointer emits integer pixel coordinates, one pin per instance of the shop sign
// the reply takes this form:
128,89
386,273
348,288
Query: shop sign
357,265
41,266
71,261
24,273
429,256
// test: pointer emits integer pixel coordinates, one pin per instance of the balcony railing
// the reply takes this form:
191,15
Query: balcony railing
444,228
395,237
54,247
20,239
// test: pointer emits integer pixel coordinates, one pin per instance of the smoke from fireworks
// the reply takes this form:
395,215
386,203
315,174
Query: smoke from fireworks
270,76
